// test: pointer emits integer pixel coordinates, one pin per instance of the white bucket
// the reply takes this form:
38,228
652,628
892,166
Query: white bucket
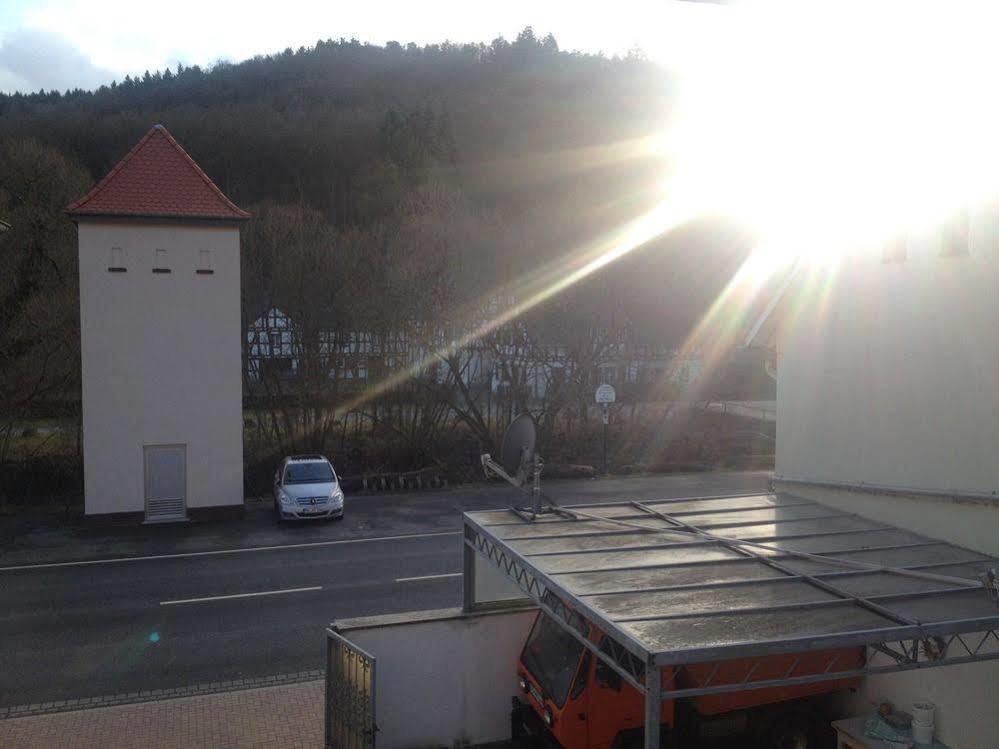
922,713
922,734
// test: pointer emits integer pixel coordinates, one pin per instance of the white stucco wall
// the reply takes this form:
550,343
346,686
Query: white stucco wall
965,717
890,371
442,677
973,524
161,361
965,695
889,376
492,586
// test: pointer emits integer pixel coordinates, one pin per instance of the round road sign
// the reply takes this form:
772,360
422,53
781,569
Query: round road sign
605,394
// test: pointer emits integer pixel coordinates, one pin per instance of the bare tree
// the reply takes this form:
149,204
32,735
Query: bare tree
39,309
294,262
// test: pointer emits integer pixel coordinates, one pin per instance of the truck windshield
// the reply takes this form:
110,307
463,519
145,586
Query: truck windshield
551,655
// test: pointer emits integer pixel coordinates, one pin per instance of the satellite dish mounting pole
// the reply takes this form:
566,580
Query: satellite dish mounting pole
518,459
536,489
604,418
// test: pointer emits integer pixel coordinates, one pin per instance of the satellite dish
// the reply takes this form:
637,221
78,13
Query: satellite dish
519,441
518,460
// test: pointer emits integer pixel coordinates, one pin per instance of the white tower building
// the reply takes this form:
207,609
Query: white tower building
160,338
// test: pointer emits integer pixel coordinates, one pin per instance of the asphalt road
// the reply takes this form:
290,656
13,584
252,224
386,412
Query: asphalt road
86,611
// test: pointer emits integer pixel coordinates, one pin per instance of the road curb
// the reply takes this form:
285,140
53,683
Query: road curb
130,698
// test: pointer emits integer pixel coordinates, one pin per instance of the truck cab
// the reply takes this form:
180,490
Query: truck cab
573,699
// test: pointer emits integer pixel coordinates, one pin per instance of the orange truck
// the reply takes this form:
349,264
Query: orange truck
573,699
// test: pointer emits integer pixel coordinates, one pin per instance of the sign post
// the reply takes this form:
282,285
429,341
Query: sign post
605,395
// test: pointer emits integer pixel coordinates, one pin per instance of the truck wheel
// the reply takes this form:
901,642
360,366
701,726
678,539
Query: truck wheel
791,730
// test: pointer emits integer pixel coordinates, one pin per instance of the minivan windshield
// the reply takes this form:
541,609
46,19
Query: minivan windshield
308,473
551,655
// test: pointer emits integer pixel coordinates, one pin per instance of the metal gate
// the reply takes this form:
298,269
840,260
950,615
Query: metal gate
350,695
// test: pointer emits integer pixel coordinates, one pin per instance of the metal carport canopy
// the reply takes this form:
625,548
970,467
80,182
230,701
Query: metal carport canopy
666,596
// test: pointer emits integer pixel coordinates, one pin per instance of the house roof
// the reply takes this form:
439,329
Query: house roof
157,179
699,579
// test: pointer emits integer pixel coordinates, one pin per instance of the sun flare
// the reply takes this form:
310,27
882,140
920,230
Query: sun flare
835,126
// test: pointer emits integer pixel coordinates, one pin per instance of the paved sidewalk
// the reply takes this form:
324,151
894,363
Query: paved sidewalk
278,717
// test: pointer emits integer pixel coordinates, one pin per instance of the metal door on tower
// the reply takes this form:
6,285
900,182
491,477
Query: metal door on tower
165,482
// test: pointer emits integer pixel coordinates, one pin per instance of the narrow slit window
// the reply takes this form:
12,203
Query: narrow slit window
117,264
161,266
205,267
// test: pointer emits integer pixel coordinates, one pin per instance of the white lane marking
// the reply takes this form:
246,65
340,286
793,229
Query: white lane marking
240,595
227,551
426,577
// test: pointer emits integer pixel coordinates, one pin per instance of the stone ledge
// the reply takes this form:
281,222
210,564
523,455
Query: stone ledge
430,615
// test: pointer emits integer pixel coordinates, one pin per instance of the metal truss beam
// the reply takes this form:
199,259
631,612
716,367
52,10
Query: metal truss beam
614,653
882,658
908,645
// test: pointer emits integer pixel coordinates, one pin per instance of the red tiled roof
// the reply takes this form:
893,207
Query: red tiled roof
157,179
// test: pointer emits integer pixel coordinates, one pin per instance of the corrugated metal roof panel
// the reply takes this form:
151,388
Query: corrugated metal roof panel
676,580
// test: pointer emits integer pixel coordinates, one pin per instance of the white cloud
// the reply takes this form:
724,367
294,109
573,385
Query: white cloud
120,36
32,59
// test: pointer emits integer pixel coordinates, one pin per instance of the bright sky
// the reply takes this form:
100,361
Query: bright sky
862,117
68,43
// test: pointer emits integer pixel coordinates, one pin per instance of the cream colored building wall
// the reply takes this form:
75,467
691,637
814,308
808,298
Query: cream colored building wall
889,376
889,372
966,717
161,361
973,524
443,678
492,586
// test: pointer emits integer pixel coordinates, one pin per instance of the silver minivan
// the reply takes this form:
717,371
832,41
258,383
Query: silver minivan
306,488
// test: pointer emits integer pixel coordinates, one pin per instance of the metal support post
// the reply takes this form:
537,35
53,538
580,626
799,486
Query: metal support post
653,705
468,575
605,418
536,491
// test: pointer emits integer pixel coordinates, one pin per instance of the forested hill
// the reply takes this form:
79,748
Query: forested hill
388,185
392,189
343,125
535,151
